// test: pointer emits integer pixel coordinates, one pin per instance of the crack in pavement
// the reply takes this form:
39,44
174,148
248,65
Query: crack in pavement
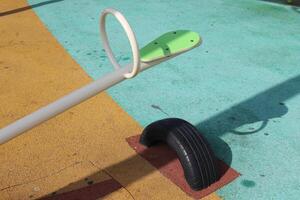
52,174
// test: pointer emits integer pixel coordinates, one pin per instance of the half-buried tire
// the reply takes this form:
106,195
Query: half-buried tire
196,157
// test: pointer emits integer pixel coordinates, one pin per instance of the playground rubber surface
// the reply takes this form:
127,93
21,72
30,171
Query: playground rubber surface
240,88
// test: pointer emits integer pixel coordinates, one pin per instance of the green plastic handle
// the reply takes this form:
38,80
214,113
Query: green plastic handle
169,44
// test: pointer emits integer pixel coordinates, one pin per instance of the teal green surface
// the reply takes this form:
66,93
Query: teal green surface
240,87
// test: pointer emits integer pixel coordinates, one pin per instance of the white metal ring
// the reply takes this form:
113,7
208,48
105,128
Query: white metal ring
131,37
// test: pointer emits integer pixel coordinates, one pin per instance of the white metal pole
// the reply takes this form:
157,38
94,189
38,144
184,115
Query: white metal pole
18,127
47,112
61,105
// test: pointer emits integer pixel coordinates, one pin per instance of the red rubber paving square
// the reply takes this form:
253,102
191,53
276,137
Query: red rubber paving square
171,168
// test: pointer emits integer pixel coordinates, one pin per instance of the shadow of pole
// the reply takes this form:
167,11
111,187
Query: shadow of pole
262,107
295,3
2,14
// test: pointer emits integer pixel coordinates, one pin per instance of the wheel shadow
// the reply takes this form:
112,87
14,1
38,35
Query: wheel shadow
130,173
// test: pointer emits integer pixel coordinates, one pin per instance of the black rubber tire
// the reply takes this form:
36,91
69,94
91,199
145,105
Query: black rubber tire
197,159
